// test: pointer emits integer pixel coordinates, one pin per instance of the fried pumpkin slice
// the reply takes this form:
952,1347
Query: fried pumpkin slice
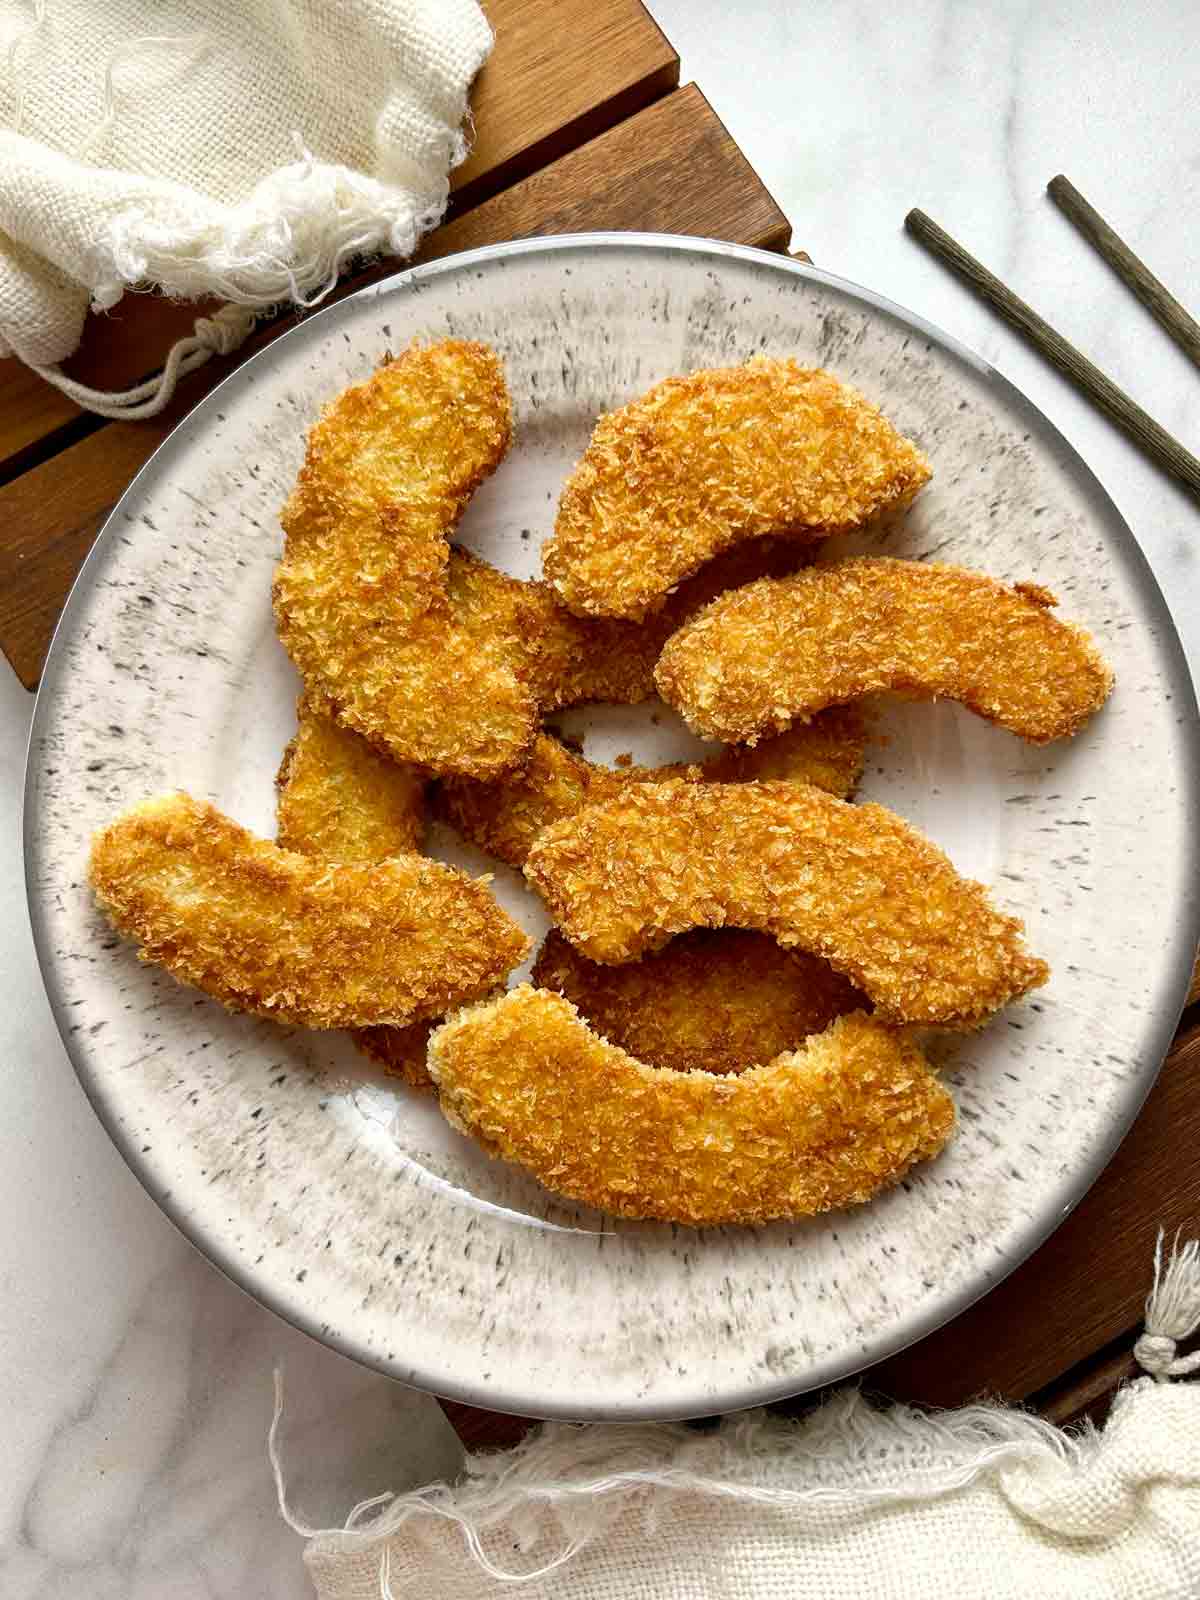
822,1127
704,462
337,797
782,650
506,816
713,1000
297,938
854,884
360,593
565,660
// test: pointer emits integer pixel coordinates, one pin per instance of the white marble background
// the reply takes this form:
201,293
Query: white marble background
136,1379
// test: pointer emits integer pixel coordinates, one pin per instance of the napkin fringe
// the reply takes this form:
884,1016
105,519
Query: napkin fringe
288,242
582,1476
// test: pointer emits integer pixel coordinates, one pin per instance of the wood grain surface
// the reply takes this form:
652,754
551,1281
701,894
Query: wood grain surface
560,73
673,169
699,182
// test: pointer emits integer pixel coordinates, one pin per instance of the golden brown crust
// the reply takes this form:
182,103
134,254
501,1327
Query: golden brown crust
828,1126
565,660
293,937
338,797
827,752
401,1052
360,593
505,817
852,883
710,1001
706,461
786,648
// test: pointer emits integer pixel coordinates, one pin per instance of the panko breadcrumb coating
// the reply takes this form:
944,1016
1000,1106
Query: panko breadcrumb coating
296,938
565,660
704,462
783,649
338,797
826,1126
506,816
852,883
360,593
401,1052
714,1000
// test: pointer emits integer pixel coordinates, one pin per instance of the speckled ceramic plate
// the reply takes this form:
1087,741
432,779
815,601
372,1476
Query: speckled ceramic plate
341,1199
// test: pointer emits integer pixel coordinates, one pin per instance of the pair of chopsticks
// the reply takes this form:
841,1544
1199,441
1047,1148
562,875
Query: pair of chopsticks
1097,386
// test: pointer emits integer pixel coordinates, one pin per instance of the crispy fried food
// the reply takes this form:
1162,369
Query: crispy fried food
339,798
783,649
852,883
561,659
437,658
360,593
826,1126
565,660
292,937
704,462
713,1000
827,752
401,1052
506,816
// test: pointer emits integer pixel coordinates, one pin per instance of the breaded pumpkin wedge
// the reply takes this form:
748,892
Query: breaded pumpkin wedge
704,462
782,650
506,815
854,884
292,937
338,797
713,1000
565,660
822,1127
360,593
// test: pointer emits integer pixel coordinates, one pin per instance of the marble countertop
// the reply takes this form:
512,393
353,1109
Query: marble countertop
138,1380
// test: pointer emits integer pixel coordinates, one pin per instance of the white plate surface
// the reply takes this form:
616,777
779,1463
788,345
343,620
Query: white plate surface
340,1198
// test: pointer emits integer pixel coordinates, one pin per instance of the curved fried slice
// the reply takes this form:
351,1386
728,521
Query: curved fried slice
785,648
710,1001
339,798
826,1126
360,593
703,462
292,937
506,816
827,752
401,1052
565,660
852,883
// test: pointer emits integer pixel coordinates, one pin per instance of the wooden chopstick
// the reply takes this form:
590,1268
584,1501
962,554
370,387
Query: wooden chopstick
1154,295
1097,386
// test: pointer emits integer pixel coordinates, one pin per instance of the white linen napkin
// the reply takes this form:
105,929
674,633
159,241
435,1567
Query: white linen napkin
239,148
982,1504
